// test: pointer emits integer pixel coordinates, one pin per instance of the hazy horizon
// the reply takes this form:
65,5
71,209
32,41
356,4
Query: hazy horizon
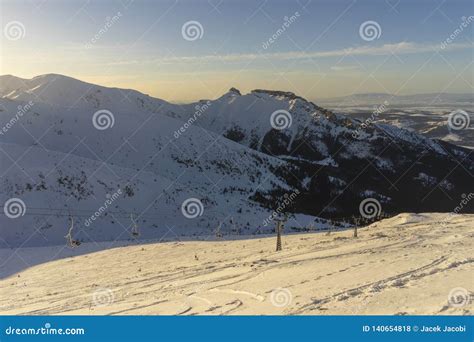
225,91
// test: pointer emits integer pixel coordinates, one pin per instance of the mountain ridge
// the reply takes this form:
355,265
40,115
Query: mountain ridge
49,77
229,154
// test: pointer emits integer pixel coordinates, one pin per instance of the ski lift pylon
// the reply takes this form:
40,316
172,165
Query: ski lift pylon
70,241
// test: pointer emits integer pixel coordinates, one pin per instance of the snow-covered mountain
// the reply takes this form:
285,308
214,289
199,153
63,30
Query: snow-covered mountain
69,148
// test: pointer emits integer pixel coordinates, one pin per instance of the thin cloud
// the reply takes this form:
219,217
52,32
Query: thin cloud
401,48
344,67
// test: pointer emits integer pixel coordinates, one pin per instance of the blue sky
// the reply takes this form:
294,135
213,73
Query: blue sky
320,54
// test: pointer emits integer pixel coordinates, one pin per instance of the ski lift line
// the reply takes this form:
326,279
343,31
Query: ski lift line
350,218
59,213
127,215
121,215
65,212
76,213
68,210
87,216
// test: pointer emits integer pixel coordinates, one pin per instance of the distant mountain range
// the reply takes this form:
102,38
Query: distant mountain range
70,148
430,99
430,122
427,114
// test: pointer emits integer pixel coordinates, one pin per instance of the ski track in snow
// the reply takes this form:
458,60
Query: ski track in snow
407,264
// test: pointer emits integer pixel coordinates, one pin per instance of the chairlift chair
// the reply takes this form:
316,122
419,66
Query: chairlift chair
135,232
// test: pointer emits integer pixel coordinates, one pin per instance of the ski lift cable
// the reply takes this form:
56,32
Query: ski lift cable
65,212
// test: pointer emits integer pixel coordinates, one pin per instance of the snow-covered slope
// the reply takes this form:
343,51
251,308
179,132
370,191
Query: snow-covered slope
60,90
409,264
77,187
60,162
